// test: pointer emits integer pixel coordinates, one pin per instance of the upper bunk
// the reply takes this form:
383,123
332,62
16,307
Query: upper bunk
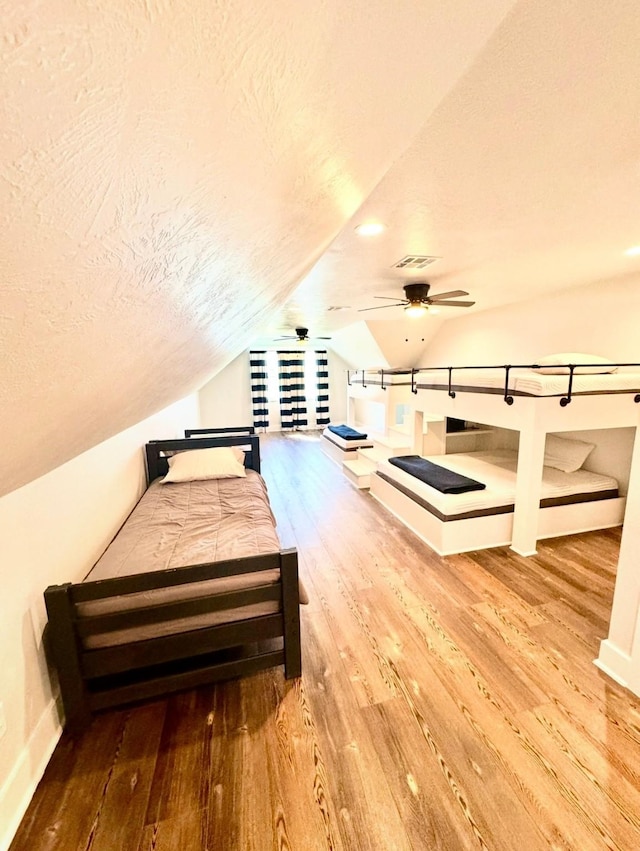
564,397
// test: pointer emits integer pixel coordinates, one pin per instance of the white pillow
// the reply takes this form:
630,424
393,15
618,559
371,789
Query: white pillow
566,454
220,462
557,364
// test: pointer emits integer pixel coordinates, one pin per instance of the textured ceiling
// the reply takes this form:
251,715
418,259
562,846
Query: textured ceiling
524,180
178,180
170,171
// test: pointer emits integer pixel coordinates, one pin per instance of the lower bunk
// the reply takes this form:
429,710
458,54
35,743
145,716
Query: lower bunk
453,523
341,448
194,588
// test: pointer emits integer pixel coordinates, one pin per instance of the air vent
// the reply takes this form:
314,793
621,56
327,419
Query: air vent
415,261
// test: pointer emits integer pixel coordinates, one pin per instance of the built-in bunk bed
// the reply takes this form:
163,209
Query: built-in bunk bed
342,442
524,498
194,587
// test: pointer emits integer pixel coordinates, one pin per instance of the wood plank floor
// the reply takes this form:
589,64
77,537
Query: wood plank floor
446,703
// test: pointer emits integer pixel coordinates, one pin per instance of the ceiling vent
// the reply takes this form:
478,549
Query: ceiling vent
415,261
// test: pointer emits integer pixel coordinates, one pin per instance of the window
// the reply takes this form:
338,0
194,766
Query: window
310,383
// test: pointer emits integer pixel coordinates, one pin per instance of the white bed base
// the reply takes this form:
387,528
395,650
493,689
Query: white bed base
533,417
496,530
337,453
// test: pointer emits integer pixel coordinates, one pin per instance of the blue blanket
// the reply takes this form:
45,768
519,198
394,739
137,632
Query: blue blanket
347,433
443,480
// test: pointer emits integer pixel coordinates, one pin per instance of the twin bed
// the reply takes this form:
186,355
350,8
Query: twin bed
523,500
340,448
194,588
457,522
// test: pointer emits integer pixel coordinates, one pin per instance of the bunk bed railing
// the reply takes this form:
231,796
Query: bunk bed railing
376,378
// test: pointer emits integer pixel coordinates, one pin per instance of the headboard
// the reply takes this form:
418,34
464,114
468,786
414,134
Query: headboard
189,432
158,451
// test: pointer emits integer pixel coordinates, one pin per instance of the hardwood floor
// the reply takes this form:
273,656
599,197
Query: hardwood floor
445,703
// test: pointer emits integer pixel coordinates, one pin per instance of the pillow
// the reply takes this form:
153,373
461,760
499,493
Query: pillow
220,462
557,364
566,454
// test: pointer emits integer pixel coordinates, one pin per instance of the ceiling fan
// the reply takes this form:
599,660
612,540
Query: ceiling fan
417,299
301,336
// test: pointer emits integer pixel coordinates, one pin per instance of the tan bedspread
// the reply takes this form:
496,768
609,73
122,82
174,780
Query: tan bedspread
176,525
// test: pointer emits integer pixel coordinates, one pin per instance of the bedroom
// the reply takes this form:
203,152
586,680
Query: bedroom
123,321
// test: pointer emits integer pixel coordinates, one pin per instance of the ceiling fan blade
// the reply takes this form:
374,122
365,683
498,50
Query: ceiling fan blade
382,306
440,303
322,338
285,338
452,294
388,297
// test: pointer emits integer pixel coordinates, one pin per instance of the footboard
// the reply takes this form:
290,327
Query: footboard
121,640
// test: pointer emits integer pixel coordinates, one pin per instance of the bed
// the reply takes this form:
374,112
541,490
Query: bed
561,393
194,588
452,523
341,450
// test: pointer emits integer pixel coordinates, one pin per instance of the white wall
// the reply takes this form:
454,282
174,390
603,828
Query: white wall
599,319
53,530
226,399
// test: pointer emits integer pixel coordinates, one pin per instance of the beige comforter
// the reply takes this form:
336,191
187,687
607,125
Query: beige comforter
174,525
177,525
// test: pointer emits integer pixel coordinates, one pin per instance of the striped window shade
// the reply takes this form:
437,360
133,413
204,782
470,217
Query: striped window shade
322,389
293,403
258,367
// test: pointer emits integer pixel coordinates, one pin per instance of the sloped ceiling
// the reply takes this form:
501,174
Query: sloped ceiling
524,180
170,172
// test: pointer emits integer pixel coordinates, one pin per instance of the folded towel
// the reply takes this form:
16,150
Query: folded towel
347,433
443,480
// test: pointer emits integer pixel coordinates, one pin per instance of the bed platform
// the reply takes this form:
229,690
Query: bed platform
193,589
455,523
341,450
522,399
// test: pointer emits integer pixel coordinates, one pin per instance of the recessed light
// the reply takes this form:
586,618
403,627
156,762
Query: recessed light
634,251
370,228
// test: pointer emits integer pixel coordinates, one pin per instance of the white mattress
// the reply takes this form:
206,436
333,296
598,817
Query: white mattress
497,470
345,444
533,383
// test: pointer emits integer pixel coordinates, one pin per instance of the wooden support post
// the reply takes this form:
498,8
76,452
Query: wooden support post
620,653
291,613
65,650
528,487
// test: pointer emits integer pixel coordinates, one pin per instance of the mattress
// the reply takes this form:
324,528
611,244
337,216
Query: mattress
530,383
346,444
189,523
497,470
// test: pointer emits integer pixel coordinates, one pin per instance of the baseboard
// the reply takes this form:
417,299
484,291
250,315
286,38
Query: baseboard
613,662
18,789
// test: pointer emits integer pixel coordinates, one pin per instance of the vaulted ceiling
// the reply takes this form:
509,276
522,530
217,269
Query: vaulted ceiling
178,179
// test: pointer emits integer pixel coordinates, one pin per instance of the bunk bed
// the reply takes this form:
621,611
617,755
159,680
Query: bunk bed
341,449
570,396
194,587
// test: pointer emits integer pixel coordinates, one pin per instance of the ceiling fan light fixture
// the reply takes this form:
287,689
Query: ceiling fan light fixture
415,310
370,228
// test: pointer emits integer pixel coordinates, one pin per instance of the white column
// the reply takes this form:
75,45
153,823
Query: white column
528,486
620,652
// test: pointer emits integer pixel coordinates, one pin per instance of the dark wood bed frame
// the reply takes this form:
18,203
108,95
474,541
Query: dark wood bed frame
93,680
201,432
